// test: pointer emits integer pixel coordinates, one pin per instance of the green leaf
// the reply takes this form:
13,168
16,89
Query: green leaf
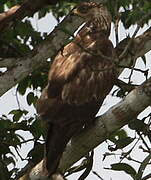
5,150
121,143
36,129
4,173
124,167
120,134
144,59
30,98
42,12
4,124
137,125
9,160
23,85
17,114
120,139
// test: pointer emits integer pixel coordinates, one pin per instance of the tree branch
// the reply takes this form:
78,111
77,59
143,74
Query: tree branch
8,62
139,46
115,118
55,41
27,8
45,50
18,12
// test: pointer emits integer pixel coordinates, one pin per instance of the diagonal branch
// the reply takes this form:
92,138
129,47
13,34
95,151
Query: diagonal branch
47,49
139,46
27,8
55,41
115,118
18,12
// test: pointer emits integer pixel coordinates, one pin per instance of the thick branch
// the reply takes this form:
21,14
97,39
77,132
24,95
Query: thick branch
116,117
56,40
28,8
8,62
139,46
47,49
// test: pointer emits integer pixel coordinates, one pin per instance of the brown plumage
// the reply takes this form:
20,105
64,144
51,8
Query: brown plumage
79,79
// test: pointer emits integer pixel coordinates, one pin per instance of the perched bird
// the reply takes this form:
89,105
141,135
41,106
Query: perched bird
80,77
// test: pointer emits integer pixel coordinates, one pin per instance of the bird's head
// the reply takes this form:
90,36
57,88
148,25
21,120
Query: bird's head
94,13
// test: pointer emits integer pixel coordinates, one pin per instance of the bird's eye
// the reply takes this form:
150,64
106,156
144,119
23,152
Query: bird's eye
83,9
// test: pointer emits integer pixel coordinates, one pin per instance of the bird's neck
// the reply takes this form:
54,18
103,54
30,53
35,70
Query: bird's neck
98,26
93,30
101,27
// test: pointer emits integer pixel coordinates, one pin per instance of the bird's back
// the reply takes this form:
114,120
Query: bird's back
80,77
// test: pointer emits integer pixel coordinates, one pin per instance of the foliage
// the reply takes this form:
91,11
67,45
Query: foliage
18,41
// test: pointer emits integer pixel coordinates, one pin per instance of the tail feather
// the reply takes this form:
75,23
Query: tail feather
56,141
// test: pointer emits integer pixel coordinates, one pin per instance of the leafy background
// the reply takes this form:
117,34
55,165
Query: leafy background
20,40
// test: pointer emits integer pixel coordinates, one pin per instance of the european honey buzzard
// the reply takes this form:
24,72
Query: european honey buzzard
79,79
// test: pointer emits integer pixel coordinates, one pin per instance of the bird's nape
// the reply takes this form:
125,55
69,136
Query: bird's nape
94,13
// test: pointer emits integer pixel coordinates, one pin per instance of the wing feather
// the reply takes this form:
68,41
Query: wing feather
79,77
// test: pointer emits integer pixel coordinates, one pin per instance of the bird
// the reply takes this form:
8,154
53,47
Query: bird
80,77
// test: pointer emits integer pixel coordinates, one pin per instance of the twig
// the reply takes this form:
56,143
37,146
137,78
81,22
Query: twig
17,99
142,167
95,173
133,36
140,135
19,154
131,73
131,159
127,153
125,86
147,177
117,14
135,69
129,43
25,141
88,167
144,150
145,72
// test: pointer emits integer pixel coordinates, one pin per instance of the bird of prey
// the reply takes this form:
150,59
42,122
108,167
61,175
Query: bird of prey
80,78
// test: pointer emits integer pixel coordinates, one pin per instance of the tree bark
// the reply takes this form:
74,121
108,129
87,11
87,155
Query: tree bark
106,124
27,8
115,118
54,42
18,12
24,66
21,67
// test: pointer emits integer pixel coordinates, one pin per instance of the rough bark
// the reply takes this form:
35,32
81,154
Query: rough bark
27,8
21,67
24,66
18,12
115,118
55,41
